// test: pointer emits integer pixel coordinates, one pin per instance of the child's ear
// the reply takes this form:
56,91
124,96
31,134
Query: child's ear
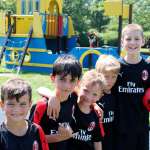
143,42
121,42
1,105
78,82
30,104
52,77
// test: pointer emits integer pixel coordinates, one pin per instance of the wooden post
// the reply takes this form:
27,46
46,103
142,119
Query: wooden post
119,34
130,13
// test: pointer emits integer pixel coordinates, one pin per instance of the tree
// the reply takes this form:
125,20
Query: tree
141,13
6,5
86,14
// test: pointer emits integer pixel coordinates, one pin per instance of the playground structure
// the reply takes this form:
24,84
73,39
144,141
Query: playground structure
38,33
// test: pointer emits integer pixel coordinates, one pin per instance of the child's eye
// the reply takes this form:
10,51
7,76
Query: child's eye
73,80
94,94
62,79
10,104
128,39
85,90
23,105
137,39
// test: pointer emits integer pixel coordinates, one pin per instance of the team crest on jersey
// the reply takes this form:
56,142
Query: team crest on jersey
35,145
91,126
144,75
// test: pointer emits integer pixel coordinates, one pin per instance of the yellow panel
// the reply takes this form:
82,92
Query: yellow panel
47,5
125,11
53,5
113,8
2,23
70,27
18,7
37,25
60,6
42,6
23,23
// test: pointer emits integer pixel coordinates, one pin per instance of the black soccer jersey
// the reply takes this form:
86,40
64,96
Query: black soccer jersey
108,102
50,126
88,130
132,82
34,139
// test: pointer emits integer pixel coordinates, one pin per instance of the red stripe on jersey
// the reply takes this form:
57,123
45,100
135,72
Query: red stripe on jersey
101,129
43,139
39,110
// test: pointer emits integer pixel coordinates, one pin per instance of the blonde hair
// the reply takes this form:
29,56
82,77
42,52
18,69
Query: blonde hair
132,27
93,77
107,63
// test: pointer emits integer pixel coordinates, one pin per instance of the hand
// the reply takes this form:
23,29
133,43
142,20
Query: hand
65,131
53,108
99,111
148,60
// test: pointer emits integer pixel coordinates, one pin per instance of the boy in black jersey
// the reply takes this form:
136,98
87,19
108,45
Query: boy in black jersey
88,135
133,80
16,133
66,74
109,67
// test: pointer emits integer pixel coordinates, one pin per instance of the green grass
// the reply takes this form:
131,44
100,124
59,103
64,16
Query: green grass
36,80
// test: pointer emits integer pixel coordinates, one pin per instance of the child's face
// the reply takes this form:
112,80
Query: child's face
90,93
132,42
64,85
16,111
110,79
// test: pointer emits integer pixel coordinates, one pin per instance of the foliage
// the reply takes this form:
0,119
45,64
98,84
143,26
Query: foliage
8,5
86,14
89,14
141,13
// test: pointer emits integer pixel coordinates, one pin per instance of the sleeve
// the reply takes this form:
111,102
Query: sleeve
38,110
97,135
41,137
73,122
3,141
43,140
32,112
146,76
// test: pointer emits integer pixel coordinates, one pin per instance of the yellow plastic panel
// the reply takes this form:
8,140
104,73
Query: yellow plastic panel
23,23
2,23
70,27
113,8
37,25
125,11
18,7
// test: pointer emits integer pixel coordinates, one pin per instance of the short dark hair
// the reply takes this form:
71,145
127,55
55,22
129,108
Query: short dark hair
67,64
15,88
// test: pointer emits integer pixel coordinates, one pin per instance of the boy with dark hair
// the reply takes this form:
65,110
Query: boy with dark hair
65,76
133,80
16,133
